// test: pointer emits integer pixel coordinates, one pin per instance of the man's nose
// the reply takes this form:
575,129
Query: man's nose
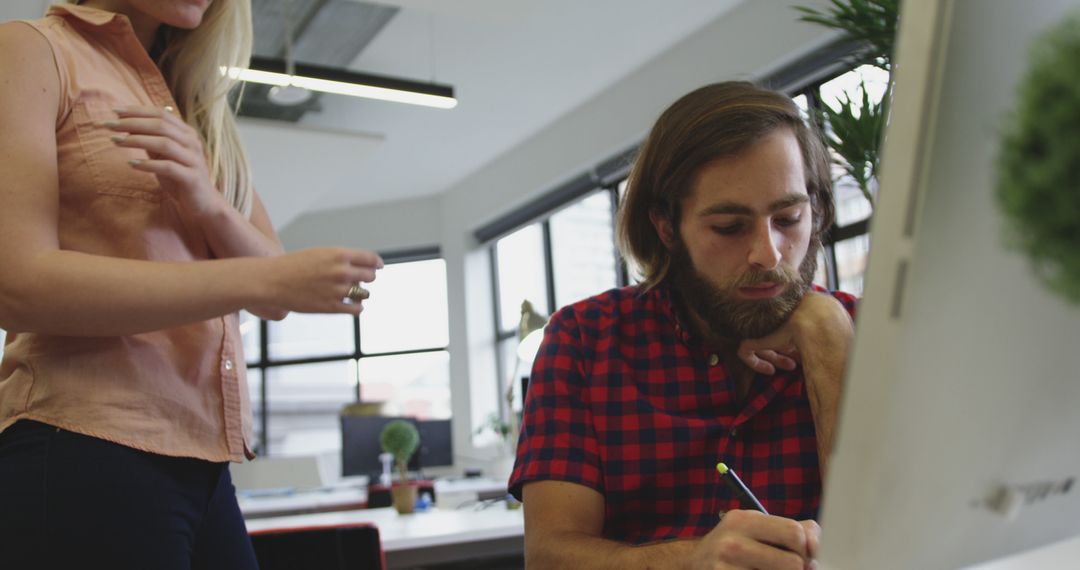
764,253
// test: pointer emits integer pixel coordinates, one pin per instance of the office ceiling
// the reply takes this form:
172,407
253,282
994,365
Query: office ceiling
515,65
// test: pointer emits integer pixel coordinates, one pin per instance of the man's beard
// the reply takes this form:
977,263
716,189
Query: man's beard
739,319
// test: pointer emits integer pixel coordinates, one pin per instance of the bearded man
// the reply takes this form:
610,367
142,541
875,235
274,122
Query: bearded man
724,352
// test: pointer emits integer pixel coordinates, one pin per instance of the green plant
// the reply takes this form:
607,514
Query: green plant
1038,184
869,22
400,439
496,425
858,125
855,136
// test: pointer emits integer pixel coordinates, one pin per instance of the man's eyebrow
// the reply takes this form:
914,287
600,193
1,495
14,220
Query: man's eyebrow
743,210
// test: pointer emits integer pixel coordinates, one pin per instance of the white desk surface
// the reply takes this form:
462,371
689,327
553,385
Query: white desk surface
345,497
1058,556
427,529
303,501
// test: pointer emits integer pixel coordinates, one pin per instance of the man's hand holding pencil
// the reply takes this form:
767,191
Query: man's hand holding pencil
753,539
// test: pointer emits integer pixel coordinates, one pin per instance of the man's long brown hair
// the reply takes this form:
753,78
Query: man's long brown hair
712,122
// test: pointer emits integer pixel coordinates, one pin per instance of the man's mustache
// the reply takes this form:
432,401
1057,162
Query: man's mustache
781,275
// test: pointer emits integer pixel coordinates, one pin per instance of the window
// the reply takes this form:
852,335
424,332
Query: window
304,369
583,248
846,255
522,276
851,205
567,256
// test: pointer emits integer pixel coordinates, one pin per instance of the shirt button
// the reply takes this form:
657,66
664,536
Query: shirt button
734,433
713,360
228,364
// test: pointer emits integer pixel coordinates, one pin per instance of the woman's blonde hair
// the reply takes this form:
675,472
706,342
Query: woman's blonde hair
191,62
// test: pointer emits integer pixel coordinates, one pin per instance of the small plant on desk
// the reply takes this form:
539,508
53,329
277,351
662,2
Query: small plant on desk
400,439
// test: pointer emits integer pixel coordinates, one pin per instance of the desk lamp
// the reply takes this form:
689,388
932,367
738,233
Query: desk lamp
530,334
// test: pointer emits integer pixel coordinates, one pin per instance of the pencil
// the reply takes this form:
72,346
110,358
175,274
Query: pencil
739,488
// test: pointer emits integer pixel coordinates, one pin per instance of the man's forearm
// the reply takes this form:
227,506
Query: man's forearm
825,407
576,550
824,358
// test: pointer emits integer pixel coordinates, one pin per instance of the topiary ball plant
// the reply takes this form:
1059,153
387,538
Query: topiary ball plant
1038,185
400,439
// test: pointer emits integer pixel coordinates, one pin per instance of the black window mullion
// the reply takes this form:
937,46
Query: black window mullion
622,276
549,265
500,366
356,355
832,272
851,230
264,408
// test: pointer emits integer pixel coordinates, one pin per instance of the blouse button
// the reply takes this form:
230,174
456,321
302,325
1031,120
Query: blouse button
228,364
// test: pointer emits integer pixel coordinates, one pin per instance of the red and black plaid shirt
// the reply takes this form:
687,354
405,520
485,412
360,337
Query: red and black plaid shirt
623,400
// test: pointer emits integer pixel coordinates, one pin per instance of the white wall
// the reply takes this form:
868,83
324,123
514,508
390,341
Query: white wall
389,226
750,41
24,9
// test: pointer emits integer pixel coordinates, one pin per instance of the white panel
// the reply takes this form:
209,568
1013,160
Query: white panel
973,385
23,9
295,167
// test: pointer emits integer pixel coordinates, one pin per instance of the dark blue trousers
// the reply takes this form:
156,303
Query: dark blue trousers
73,501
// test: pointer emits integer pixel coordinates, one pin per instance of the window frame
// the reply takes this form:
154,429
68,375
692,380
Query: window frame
264,363
621,278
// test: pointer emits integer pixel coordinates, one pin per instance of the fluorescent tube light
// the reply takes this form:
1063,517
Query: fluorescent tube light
344,82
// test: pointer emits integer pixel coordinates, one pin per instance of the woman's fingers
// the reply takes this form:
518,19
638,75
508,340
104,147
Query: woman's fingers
159,147
365,258
154,121
320,280
155,127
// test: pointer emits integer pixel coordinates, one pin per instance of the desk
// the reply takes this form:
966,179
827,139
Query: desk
449,493
298,502
423,538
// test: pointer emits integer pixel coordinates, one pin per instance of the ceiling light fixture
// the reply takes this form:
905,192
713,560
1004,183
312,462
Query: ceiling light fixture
270,71
289,95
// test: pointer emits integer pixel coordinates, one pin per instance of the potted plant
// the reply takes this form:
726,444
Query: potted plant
1037,162
400,439
506,435
856,126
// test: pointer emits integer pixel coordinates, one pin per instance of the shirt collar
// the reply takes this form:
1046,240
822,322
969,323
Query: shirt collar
103,19
666,302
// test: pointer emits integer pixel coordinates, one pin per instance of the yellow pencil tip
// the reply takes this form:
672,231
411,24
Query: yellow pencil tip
721,468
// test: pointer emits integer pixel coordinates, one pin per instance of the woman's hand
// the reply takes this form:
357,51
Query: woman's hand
318,280
176,155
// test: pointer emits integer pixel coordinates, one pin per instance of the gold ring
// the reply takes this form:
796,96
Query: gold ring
357,293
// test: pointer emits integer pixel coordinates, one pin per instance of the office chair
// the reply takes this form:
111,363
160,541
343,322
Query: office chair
351,547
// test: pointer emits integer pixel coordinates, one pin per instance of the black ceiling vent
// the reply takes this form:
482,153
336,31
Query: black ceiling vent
329,33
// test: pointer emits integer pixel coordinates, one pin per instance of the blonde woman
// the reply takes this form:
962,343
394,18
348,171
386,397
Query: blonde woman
130,237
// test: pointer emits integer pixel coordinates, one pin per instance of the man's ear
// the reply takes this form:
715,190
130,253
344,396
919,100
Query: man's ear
664,229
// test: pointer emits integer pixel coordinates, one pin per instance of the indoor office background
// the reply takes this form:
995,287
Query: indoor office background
397,354
533,221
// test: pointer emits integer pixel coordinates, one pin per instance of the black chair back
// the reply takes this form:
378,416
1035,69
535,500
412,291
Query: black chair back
331,548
